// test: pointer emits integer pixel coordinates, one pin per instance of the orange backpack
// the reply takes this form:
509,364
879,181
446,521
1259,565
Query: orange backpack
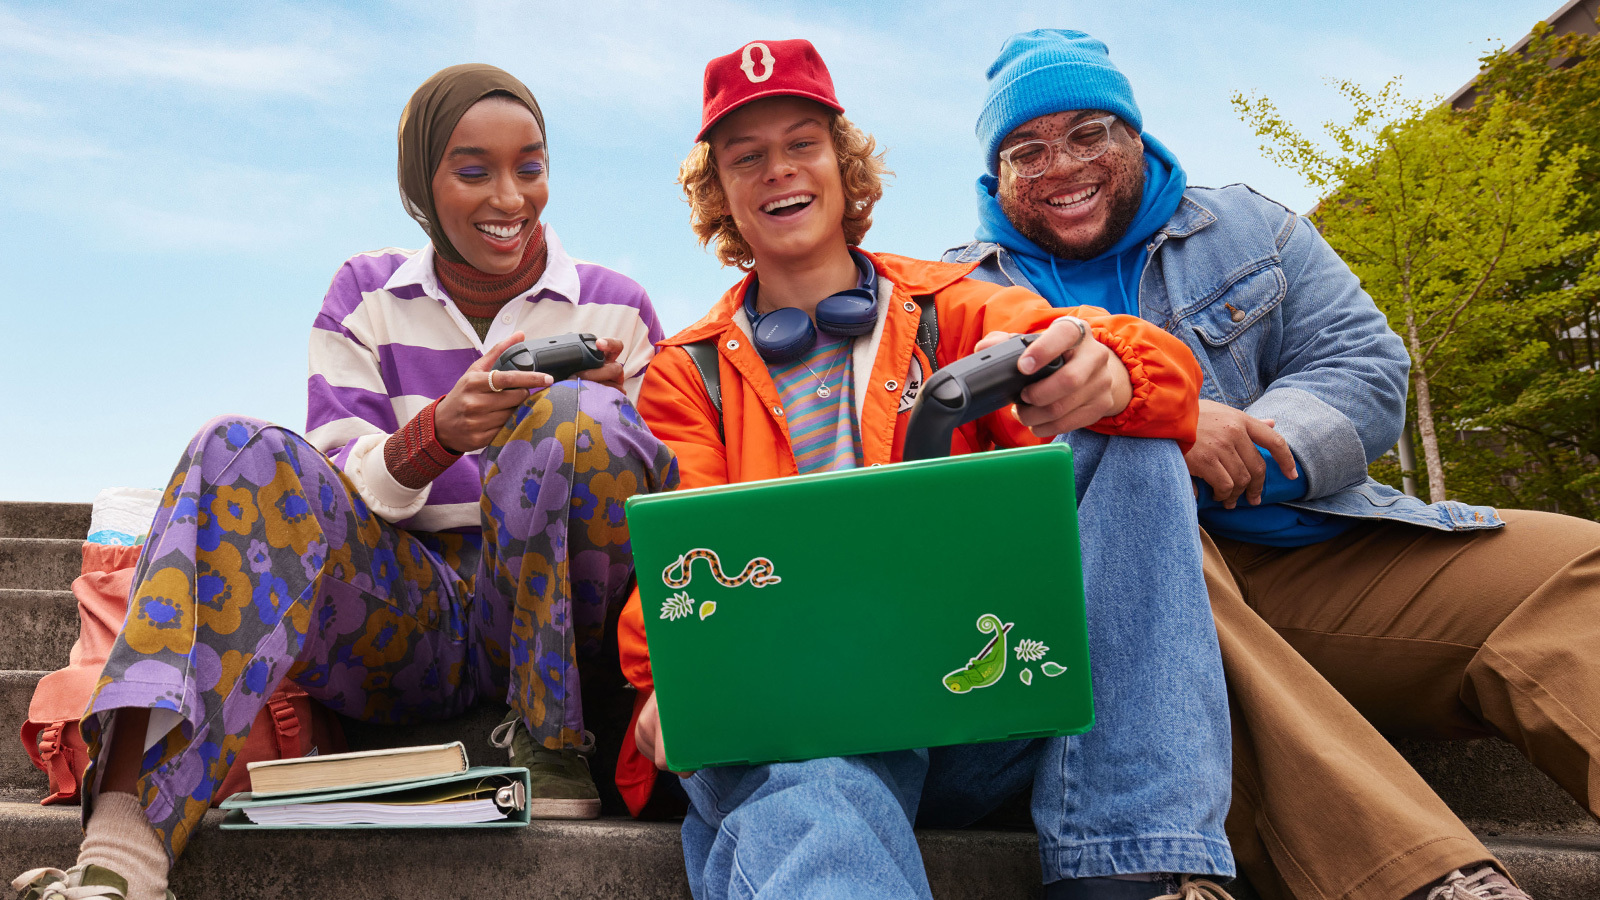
292,724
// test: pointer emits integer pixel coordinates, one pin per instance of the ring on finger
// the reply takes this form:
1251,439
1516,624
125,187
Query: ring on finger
491,383
1083,332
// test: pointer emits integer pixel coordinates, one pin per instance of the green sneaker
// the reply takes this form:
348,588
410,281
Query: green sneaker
77,883
559,783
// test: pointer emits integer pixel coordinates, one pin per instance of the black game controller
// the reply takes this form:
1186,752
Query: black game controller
967,389
560,357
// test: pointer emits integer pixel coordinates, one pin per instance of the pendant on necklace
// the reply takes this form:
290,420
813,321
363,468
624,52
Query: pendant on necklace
823,392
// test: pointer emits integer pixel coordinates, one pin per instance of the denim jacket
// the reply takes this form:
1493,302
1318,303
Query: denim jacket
1283,331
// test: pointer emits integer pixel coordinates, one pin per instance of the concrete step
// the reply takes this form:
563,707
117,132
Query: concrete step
37,628
607,858
47,564
44,520
1494,788
17,773
1487,782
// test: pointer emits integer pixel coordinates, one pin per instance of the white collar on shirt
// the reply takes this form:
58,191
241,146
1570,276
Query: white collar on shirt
560,277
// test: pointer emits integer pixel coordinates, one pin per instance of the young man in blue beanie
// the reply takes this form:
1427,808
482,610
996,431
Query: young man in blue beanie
1336,597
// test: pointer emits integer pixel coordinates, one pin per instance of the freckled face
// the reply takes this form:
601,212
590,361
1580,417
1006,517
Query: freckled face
491,184
1076,209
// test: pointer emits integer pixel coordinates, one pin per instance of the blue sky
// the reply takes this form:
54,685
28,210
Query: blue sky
179,181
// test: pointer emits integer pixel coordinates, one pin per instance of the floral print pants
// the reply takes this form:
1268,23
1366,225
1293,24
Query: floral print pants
263,564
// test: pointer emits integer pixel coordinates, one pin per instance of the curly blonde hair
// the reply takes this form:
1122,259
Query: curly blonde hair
861,169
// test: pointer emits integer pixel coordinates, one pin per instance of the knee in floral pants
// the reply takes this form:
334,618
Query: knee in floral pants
264,563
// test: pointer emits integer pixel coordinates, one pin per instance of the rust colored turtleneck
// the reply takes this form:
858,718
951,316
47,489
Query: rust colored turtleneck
414,455
480,295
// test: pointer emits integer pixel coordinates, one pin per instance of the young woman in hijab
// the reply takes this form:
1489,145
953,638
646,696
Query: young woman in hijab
444,533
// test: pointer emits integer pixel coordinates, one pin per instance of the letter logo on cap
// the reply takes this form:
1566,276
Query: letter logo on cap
749,64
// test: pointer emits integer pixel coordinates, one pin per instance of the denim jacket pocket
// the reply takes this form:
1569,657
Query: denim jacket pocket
1231,330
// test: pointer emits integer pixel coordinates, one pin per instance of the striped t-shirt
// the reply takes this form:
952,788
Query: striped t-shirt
389,341
822,430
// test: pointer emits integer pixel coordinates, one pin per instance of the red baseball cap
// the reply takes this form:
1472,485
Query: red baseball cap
764,69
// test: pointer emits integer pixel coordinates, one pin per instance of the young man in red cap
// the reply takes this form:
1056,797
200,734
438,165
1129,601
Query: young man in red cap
818,362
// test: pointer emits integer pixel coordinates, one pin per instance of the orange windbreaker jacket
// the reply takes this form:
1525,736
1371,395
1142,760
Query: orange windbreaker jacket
1165,404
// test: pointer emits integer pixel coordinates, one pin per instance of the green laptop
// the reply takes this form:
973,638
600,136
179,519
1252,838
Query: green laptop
912,605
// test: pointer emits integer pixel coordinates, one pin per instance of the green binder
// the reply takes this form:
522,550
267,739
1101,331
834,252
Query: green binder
506,785
894,607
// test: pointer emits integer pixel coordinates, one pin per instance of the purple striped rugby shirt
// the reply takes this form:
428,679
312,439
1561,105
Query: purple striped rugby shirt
389,341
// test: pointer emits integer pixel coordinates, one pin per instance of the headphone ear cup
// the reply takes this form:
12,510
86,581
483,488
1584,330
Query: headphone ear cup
848,313
783,335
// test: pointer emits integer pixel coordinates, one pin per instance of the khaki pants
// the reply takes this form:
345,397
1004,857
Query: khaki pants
1420,633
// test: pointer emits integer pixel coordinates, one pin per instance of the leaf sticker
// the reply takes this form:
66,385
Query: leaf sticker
1031,651
677,606
1052,669
707,608
1026,676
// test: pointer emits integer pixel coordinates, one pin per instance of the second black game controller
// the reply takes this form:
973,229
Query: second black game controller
560,357
967,389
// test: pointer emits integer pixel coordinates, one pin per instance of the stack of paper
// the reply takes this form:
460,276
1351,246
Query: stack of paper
450,812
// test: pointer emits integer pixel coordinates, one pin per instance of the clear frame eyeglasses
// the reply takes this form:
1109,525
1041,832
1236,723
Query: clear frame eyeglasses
1088,141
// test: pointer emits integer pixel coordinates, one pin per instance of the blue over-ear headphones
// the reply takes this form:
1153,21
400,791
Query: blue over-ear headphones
785,335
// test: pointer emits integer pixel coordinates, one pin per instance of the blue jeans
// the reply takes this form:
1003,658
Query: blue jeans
1145,790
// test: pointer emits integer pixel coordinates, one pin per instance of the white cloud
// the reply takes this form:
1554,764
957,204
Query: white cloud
292,69
206,206
14,105
649,57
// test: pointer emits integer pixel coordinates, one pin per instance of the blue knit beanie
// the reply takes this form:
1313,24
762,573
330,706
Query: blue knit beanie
1048,71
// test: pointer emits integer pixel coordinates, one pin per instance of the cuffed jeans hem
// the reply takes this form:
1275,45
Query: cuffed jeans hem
1181,855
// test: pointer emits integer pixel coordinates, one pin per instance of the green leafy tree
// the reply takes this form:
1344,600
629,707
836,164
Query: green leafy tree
1439,220
1542,408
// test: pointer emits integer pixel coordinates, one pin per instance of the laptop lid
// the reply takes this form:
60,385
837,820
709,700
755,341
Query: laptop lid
894,607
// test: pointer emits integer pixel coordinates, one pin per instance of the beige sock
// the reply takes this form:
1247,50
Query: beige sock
120,838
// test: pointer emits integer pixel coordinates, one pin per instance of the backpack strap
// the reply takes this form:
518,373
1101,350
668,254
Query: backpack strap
928,331
704,356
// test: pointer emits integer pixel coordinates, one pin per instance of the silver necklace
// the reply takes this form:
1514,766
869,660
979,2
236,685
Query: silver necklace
822,386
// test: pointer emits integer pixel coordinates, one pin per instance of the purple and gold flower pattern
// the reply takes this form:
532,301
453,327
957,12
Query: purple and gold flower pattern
264,563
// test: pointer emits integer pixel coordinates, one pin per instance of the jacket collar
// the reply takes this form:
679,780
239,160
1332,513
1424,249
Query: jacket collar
1189,218
916,277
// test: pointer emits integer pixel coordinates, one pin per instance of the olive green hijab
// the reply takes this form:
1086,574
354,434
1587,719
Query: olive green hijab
425,128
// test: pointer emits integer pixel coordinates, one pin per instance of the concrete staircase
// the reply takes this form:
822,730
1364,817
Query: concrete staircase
1550,843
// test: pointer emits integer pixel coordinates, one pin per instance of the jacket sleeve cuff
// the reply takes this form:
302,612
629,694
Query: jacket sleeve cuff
1140,380
1325,442
414,455
1158,406
377,486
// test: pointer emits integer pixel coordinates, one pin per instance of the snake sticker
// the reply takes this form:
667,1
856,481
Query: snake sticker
758,572
989,666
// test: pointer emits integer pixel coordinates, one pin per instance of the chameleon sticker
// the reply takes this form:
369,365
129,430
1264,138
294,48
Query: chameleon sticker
989,665
758,571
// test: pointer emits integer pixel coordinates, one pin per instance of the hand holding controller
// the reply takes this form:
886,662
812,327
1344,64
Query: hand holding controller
967,389
560,357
